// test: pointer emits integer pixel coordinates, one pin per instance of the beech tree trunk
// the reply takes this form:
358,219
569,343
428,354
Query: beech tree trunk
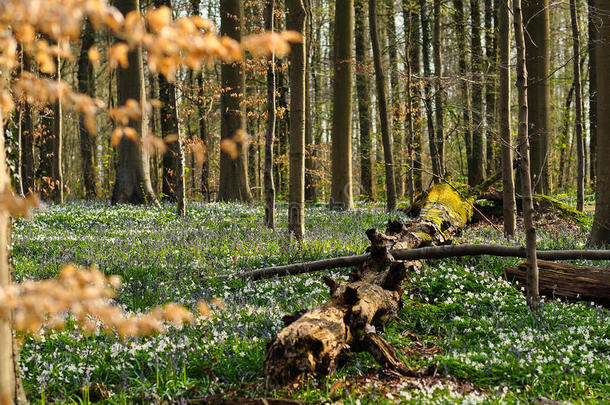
478,156
580,142
490,85
509,205
591,14
526,185
27,139
386,135
295,21
395,105
132,183
415,135
341,195
438,152
425,47
363,90
233,183
270,129
408,16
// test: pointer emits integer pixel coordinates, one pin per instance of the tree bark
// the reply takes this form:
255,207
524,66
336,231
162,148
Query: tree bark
408,16
509,205
425,47
526,186
592,90
363,90
386,135
270,129
132,183
395,105
478,156
600,232
86,85
491,57
438,152
27,139
295,21
537,22
341,154
233,183
415,136
580,142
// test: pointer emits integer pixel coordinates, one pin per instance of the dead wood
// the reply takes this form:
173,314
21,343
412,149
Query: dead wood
585,283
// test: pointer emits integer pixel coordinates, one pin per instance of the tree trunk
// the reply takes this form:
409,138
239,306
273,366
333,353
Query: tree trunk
363,90
592,91
86,85
341,196
310,178
509,205
295,21
600,232
526,186
386,135
311,341
563,140
27,139
408,16
132,183
395,105
233,183
460,33
425,47
490,85
584,283
270,129
438,152
415,143
537,22
580,142
478,157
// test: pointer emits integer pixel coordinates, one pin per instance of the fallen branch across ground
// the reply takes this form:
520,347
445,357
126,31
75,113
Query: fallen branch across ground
431,252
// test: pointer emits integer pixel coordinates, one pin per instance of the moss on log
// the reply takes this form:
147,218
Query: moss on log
313,341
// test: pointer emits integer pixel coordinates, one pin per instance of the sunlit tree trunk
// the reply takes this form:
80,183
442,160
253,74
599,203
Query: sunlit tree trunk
395,105
580,142
490,85
478,156
27,138
270,129
341,150
509,205
592,91
425,28
526,186
438,152
386,135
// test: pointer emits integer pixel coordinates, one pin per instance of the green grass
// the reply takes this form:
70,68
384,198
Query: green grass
459,317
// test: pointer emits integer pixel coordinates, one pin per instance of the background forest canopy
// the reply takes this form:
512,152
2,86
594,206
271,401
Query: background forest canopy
442,67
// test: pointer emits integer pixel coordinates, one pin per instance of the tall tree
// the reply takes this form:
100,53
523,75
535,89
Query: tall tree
425,48
466,118
132,183
490,85
526,185
600,232
592,90
363,90
478,157
408,17
86,85
437,150
310,178
386,135
295,21
509,205
341,195
27,137
580,142
538,58
395,105
270,129
233,183
413,53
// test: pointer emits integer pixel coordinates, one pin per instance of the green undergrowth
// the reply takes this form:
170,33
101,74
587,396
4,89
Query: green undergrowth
461,323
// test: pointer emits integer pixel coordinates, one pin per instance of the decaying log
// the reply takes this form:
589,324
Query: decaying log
585,283
313,342
430,252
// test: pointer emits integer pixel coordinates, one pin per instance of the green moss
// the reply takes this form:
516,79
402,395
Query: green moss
456,205
564,210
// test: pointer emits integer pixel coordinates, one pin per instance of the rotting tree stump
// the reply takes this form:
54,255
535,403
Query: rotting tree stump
313,341
584,283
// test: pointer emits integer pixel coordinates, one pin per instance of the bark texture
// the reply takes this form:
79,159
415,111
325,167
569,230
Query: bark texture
578,124
270,129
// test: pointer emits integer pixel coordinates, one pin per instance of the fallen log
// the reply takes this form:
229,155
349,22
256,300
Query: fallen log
585,283
312,342
425,253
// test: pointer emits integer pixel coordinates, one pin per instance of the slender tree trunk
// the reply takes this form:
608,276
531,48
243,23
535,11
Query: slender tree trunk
564,155
460,31
295,21
415,143
27,139
490,85
526,186
600,232
363,90
478,156
425,28
233,184
395,104
132,183
438,153
341,155
580,142
380,80
537,22
592,91
509,205
407,12
310,182
86,85
270,130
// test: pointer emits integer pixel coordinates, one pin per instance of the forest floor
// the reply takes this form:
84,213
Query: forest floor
461,320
